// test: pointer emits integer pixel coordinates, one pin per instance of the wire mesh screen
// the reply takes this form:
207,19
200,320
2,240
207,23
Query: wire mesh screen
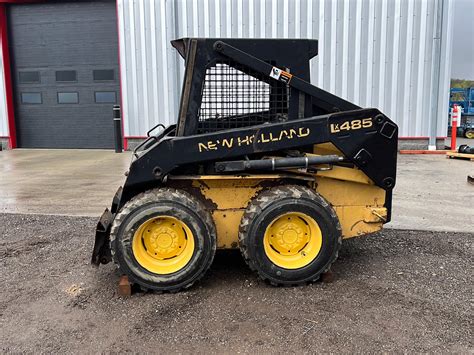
233,96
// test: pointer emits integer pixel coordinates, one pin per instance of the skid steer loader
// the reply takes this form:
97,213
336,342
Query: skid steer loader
259,160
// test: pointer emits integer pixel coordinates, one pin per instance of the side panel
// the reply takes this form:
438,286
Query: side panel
360,220
359,204
229,200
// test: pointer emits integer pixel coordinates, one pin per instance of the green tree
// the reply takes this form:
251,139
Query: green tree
461,83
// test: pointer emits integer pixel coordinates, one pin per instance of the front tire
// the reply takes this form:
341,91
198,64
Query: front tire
289,235
163,240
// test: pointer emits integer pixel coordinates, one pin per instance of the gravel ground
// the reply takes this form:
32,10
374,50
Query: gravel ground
396,291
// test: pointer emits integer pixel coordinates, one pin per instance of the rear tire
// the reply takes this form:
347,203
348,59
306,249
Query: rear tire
289,235
163,240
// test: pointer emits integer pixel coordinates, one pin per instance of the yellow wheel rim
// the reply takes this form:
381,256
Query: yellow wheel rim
293,240
470,134
163,245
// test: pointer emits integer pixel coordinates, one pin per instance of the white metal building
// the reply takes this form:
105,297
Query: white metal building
391,54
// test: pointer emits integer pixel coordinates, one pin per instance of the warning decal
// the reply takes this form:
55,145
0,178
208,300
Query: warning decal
285,77
275,73
280,75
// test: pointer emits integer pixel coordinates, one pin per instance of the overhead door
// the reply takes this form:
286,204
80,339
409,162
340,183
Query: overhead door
65,73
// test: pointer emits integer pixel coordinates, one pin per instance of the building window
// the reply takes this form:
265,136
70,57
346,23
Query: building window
66,75
31,98
68,98
29,77
105,97
103,75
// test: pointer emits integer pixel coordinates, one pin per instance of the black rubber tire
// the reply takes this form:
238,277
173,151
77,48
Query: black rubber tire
264,208
171,202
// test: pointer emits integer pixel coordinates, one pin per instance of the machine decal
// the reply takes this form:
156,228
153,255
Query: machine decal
256,137
280,75
351,125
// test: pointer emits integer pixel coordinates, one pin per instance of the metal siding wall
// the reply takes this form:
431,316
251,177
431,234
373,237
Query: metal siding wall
3,100
376,53
445,73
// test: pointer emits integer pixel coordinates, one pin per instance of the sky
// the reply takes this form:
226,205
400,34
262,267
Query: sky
463,40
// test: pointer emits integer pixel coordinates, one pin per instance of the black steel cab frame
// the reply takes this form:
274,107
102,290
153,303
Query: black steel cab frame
246,98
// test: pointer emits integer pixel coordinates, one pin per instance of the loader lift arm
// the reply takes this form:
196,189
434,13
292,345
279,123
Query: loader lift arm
372,149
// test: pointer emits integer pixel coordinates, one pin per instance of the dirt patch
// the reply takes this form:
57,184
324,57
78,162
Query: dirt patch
393,291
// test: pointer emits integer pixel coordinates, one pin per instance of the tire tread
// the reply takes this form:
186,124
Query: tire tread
154,195
260,202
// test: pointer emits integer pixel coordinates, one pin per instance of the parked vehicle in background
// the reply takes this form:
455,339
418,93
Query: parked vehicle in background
463,97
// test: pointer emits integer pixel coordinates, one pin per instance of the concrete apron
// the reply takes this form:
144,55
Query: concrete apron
61,182
431,192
